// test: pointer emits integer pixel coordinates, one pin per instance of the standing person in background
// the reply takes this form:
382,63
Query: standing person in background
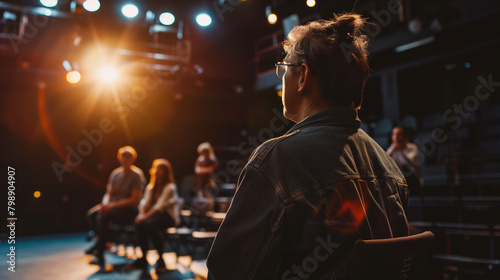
304,198
119,204
204,169
405,154
158,210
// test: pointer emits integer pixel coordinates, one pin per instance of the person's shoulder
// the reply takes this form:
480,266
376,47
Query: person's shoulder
116,171
412,145
169,189
213,159
263,149
137,170
171,186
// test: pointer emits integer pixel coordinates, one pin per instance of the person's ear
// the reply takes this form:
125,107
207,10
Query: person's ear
305,77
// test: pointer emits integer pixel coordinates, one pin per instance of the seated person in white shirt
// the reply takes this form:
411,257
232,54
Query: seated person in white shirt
405,154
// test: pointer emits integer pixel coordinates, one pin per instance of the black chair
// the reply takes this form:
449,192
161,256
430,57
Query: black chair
390,259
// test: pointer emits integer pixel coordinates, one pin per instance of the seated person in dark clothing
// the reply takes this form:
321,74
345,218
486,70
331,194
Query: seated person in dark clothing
119,204
158,210
304,198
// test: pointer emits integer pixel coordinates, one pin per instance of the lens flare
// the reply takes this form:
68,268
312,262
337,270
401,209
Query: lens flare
108,74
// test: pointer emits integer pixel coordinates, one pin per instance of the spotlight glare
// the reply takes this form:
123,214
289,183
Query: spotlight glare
203,20
167,18
311,3
73,77
130,10
37,194
272,18
91,5
49,3
108,74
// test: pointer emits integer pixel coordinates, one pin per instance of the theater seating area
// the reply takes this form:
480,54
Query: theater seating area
460,203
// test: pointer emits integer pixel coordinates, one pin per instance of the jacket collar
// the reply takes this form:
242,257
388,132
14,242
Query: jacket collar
331,116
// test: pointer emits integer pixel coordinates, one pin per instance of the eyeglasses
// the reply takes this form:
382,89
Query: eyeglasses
281,68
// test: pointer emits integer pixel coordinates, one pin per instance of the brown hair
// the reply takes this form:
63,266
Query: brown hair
335,51
206,146
168,177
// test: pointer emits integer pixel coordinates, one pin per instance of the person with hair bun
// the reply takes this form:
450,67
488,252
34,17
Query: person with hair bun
304,198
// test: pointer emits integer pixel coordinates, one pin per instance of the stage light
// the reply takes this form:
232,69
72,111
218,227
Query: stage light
167,18
49,3
91,5
108,74
272,18
37,194
203,20
73,77
311,3
130,10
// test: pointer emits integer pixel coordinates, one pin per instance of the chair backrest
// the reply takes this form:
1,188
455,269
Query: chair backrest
390,259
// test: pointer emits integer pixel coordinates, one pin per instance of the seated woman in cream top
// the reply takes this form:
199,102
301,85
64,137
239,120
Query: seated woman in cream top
158,210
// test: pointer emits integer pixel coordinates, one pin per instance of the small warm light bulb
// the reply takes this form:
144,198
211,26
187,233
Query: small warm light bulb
73,77
311,3
272,18
37,194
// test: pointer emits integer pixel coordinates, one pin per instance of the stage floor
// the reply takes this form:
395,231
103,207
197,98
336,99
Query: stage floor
61,257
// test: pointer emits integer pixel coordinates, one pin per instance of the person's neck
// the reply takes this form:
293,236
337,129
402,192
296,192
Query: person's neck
127,169
309,107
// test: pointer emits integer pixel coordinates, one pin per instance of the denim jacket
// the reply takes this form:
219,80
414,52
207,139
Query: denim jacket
304,198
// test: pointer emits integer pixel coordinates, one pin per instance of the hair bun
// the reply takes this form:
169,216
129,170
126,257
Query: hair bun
347,26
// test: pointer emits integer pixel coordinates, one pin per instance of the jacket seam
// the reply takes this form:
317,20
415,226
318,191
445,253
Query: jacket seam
272,232
259,159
